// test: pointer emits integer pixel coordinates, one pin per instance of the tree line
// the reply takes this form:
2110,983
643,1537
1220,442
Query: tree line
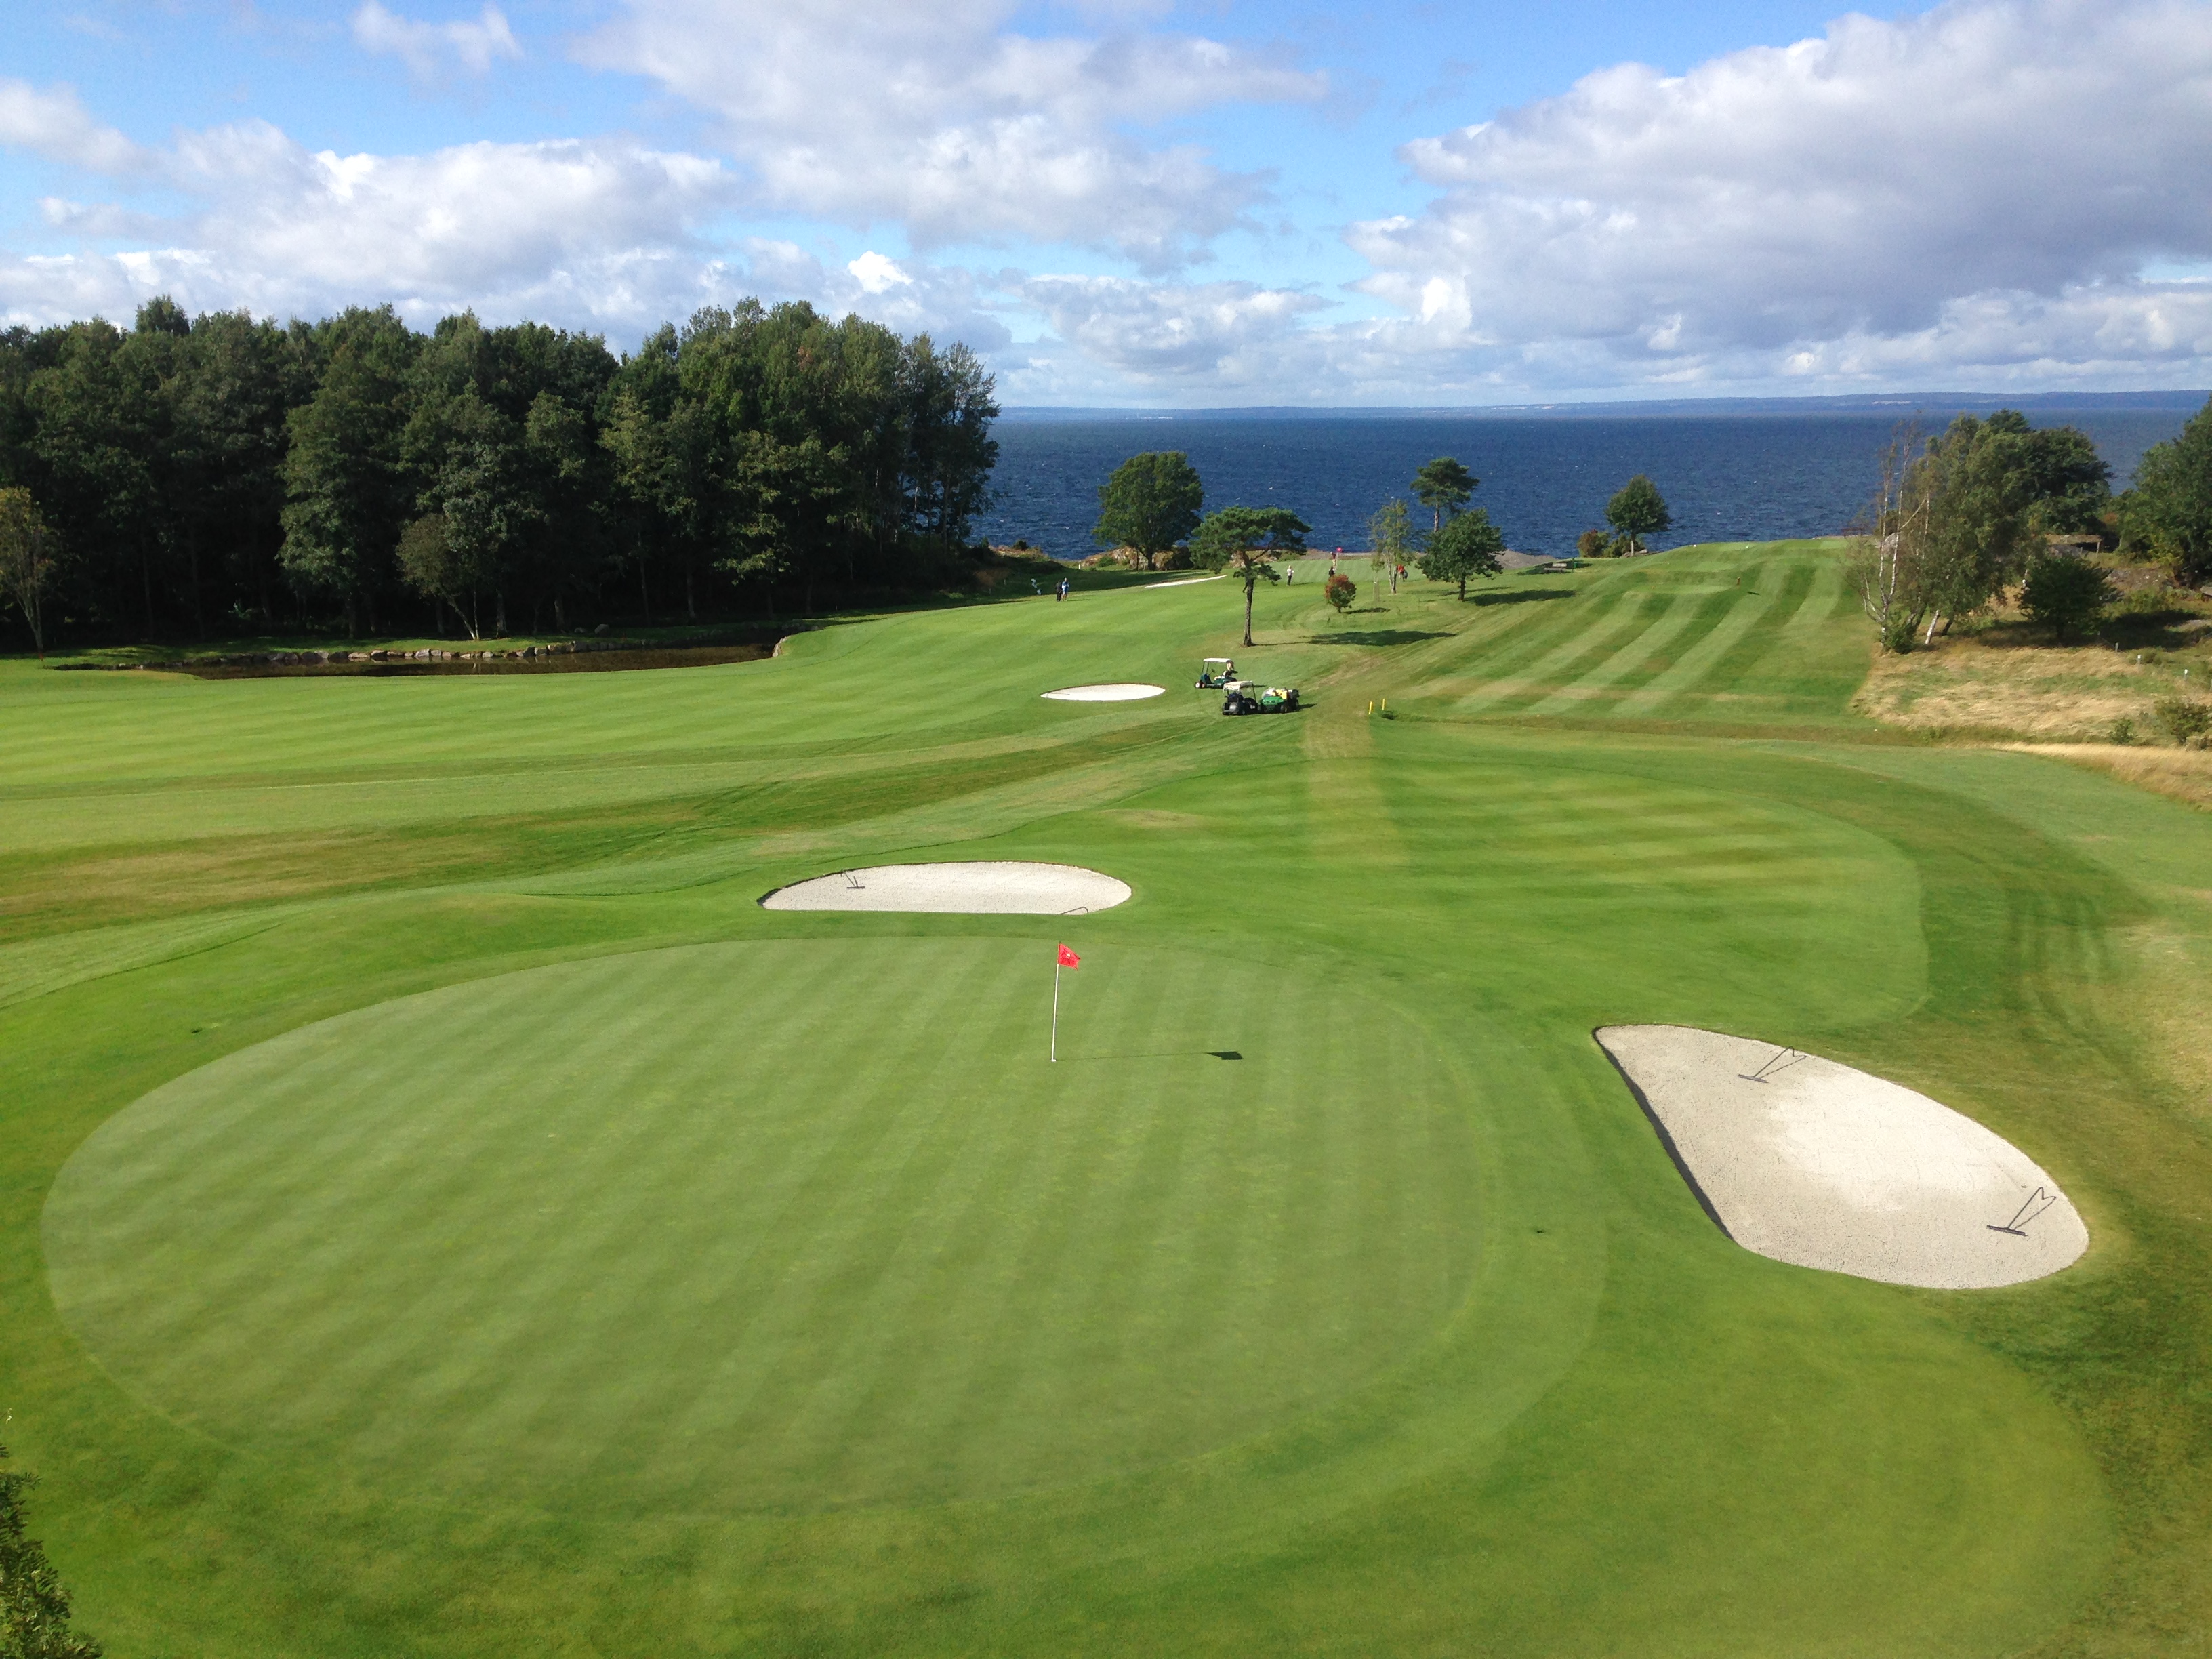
223,474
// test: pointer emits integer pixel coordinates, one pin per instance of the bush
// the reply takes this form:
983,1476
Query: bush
1339,592
2183,719
1594,545
2123,732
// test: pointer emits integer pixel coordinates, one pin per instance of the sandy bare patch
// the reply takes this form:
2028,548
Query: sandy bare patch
979,889
1128,692
1807,1161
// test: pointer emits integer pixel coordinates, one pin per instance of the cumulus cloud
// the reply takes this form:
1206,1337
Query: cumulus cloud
1999,193
1222,333
53,122
944,120
428,49
1985,182
580,229
602,234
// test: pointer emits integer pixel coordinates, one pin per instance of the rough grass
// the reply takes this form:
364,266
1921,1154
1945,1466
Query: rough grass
2071,695
1398,1334
2185,775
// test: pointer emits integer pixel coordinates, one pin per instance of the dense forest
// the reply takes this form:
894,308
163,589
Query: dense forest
224,475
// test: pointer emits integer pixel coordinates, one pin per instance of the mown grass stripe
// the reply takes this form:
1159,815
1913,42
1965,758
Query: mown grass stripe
1679,611
1615,619
1741,613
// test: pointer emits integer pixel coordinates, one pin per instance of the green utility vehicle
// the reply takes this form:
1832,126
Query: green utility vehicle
1249,697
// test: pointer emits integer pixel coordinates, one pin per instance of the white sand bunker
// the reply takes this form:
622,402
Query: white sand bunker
1807,1161
998,890
1125,693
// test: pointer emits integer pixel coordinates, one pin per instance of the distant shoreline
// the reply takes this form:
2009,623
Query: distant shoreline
1899,404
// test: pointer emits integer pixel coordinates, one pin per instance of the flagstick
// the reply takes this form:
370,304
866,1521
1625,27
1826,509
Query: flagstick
1055,1011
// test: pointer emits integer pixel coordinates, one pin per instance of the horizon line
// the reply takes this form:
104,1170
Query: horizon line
2148,399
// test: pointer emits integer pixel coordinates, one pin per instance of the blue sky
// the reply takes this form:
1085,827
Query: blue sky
1135,202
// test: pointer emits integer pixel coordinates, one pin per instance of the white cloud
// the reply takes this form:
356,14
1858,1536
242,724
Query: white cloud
53,124
877,273
1981,182
1220,333
941,119
427,48
2002,193
581,228
602,233
2147,333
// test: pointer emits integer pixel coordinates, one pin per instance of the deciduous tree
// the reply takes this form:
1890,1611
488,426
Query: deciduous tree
1958,514
26,561
1638,510
1150,503
2067,595
1467,545
34,1607
1391,533
2169,510
346,494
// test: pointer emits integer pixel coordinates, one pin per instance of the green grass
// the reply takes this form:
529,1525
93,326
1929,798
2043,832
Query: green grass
943,1266
445,1215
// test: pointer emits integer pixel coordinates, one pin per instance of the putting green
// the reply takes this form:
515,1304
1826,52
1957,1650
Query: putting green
785,1223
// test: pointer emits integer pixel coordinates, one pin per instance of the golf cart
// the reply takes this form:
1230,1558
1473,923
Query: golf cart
1249,697
1215,672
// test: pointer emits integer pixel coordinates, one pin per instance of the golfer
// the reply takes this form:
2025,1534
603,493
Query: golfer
1063,590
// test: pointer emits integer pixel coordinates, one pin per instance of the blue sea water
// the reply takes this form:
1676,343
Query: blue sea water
1726,478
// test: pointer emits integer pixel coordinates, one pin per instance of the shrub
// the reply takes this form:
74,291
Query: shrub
2123,732
1594,545
2183,719
1339,592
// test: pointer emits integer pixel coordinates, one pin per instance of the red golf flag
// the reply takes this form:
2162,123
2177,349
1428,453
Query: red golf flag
1068,958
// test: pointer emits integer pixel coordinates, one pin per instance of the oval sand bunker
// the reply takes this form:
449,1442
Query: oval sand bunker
1809,1162
979,889
1128,692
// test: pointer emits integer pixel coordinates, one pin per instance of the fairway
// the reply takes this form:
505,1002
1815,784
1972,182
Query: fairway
444,1213
781,1224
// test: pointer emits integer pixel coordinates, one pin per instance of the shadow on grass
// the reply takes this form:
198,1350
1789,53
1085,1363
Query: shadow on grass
1521,596
1375,637
1162,1054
